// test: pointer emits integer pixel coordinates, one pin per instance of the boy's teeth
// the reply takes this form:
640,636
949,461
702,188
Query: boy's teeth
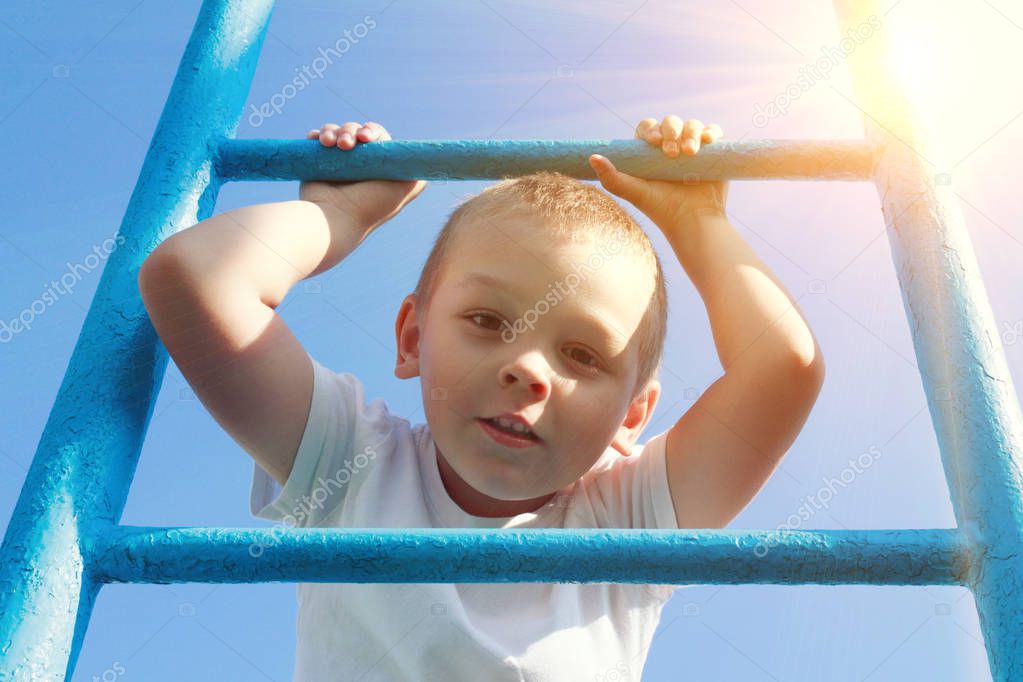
513,425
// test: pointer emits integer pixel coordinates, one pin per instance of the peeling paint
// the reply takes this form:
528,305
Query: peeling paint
63,542
78,481
979,427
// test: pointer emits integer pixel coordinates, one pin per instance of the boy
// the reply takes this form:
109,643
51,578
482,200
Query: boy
536,329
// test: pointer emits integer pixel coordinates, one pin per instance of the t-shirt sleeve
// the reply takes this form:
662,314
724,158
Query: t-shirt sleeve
632,492
326,463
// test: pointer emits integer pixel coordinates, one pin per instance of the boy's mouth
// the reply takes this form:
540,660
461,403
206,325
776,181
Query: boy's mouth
505,433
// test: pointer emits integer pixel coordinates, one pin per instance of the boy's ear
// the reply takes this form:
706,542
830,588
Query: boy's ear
640,411
406,332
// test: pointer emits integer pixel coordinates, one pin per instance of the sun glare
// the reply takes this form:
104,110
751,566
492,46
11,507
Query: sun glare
953,59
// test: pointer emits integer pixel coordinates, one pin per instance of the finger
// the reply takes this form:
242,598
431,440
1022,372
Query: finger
328,134
712,133
691,135
313,134
331,133
671,129
648,129
417,188
346,136
371,131
382,131
620,184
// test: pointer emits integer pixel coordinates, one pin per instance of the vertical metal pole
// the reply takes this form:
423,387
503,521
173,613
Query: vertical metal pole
969,390
80,474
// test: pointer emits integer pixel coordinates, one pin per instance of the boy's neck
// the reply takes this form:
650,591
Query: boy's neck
473,502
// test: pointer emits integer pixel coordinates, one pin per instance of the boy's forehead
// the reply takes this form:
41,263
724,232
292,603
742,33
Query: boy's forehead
501,230
527,257
522,239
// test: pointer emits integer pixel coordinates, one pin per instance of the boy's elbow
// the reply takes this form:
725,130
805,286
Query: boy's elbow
162,274
817,362
152,264
807,357
157,266
812,371
806,365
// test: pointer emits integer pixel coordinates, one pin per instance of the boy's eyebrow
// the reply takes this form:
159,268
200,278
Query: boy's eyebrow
483,279
610,338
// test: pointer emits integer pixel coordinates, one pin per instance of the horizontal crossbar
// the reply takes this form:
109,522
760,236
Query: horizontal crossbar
131,554
268,159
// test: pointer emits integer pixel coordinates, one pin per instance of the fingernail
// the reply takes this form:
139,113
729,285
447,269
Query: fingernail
692,145
670,147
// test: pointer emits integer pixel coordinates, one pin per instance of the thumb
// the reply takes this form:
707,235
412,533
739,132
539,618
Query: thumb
620,184
415,187
407,190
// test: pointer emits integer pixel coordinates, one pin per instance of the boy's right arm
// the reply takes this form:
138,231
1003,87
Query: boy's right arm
211,292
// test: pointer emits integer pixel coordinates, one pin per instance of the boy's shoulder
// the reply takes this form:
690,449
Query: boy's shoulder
629,491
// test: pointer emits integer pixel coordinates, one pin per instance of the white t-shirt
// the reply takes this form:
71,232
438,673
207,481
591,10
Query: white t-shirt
359,466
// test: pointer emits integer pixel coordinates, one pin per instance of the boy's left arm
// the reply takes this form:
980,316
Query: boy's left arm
725,447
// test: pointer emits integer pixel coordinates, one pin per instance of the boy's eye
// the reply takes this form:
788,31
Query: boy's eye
580,355
485,316
594,364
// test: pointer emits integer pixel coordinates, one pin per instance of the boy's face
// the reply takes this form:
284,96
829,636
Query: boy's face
554,341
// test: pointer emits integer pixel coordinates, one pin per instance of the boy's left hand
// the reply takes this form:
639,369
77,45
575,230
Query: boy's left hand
667,203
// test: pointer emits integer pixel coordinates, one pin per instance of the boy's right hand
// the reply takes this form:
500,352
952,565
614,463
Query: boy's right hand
369,202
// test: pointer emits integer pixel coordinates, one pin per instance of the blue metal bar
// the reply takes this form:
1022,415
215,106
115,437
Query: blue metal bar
80,474
794,557
267,159
63,542
965,376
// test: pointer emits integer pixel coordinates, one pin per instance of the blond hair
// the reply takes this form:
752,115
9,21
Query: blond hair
572,209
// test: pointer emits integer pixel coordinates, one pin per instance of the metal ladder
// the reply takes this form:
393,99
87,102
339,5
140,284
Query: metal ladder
65,541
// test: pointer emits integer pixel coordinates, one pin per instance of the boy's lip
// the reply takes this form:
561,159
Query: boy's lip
515,418
511,416
506,439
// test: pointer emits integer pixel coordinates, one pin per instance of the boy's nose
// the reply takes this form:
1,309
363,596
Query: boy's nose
527,372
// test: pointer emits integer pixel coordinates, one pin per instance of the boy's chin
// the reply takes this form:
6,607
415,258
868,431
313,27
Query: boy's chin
508,491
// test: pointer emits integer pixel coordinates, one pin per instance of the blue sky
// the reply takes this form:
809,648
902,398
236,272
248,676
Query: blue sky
85,85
